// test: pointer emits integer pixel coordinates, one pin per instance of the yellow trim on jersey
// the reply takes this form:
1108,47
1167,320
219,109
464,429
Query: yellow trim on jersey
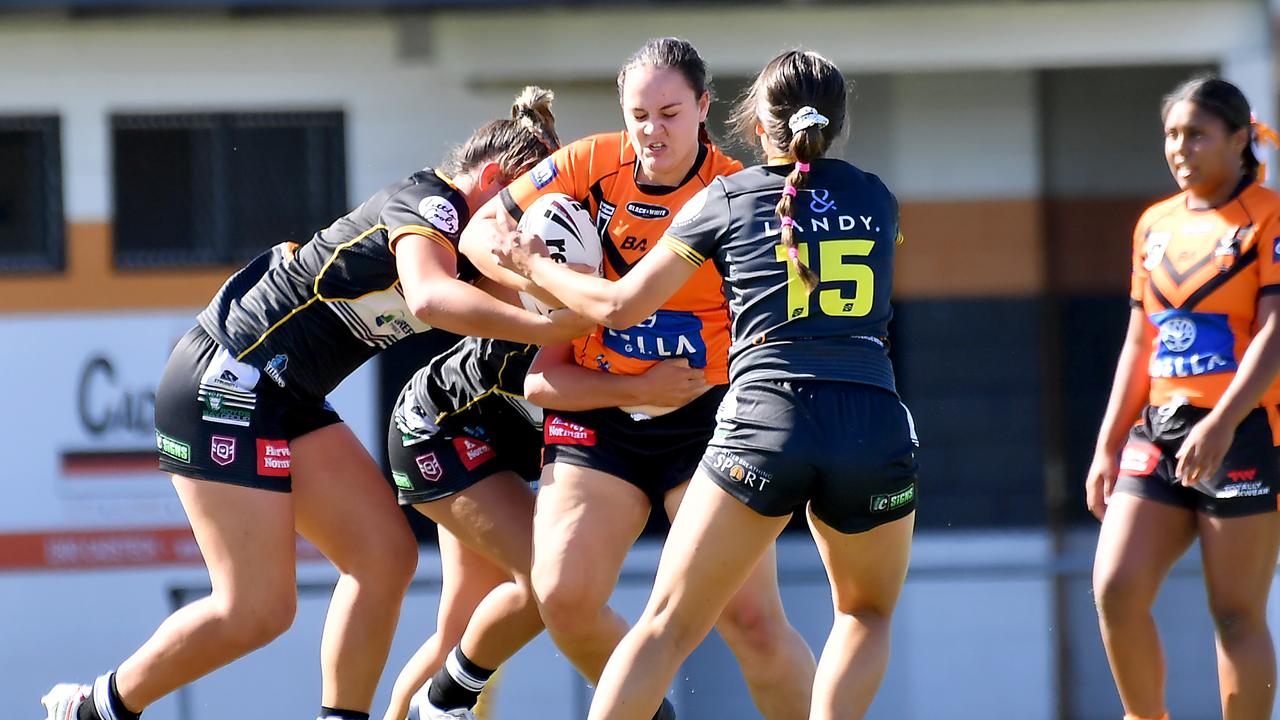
277,324
447,180
315,289
492,389
683,249
427,232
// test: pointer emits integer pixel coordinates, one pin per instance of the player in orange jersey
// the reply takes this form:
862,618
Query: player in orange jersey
1197,373
605,469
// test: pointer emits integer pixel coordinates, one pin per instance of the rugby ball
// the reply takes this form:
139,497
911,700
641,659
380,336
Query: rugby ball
570,236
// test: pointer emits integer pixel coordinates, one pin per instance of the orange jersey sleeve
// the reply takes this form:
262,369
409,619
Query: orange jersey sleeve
1198,275
570,170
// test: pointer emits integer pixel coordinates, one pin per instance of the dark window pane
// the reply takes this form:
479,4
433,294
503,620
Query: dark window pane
31,225
224,187
164,195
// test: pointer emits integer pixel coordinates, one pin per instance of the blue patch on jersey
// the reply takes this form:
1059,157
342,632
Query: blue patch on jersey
543,173
666,334
1191,344
1275,250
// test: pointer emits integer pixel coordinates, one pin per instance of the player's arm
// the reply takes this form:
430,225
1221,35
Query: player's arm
491,224
556,382
695,233
428,268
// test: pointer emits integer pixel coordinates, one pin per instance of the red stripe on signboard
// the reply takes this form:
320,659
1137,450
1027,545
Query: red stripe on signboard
102,549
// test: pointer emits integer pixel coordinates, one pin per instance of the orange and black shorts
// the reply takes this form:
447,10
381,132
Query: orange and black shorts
1246,484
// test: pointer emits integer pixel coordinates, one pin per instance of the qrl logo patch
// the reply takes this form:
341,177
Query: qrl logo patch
429,466
473,453
559,431
222,449
274,458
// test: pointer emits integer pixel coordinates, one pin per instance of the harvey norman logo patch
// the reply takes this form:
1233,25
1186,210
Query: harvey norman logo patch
559,431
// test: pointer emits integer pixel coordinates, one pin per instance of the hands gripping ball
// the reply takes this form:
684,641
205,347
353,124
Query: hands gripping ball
569,234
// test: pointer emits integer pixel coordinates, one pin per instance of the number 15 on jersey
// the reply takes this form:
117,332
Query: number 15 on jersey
834,265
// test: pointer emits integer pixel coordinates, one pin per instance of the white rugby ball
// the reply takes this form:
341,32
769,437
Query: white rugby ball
570,236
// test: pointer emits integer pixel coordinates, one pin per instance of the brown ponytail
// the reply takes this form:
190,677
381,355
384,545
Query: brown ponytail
799,99
516,144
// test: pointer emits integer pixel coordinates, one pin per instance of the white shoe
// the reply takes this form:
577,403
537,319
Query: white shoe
420,708
62,701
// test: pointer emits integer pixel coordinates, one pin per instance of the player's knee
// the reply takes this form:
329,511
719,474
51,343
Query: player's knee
249,622
567,603
388,563
1116,594
752,626
1234,622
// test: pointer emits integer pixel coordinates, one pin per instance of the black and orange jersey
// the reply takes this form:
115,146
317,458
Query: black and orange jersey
846,230
1197,274
600,172
309,315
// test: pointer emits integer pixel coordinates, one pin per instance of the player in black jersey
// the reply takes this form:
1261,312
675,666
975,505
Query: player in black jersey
462,441
257,455
812,418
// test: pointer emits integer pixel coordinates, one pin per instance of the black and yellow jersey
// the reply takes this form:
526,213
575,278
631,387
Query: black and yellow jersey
309,315
474,372
846,224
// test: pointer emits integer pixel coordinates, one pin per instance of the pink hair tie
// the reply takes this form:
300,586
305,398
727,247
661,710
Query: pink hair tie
793,253
788,222
789,190
802,166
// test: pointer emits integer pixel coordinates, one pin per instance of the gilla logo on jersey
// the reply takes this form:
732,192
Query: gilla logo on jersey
274,458
472,452
429,466
222,449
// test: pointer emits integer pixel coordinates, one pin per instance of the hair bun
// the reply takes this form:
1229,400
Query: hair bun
532,109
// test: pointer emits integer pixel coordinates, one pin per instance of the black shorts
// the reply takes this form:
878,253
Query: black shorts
434,463
215,421
1246,484
846,449
654,454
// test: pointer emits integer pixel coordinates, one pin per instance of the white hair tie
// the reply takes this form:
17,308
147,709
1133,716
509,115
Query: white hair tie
805,118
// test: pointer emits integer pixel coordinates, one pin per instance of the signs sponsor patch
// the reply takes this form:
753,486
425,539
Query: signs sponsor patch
893,501
175,449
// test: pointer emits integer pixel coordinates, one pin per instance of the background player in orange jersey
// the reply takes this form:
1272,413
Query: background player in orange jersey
257,454
1197,373
812,420
606,469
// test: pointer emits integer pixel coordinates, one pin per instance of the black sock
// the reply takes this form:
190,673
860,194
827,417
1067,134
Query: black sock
666,712
458,683
104,702
328,713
